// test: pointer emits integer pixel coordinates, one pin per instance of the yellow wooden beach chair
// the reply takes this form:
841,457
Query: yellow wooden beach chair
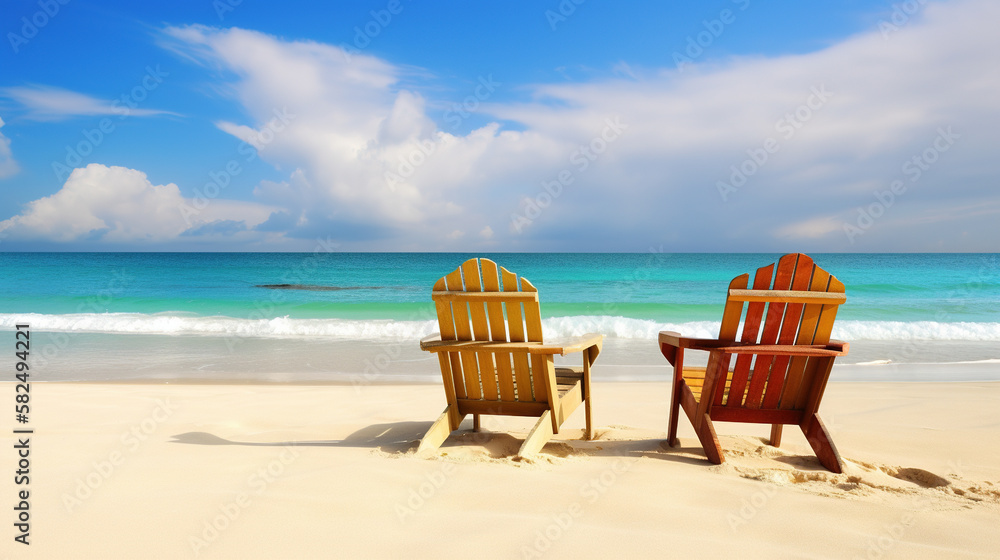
781,369
493,359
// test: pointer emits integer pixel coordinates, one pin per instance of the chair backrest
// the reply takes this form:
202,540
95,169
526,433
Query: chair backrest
478,302
794,302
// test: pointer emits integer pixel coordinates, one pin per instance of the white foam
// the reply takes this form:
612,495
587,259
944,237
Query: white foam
918,330
382,329
139,323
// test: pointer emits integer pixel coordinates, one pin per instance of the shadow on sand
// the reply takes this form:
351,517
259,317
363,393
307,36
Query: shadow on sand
403,438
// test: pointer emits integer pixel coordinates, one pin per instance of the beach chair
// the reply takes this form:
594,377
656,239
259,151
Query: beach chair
494,361
783,358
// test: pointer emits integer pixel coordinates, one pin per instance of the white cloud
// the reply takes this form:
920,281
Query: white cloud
120,205
351,123
8,166
52,103
364,149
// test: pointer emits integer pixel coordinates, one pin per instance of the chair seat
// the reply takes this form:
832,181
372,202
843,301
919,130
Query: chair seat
694,378
567,378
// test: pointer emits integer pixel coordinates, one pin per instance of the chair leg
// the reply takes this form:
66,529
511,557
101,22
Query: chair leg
438,432
675,408
589,433
822,444
475,423
538,436
710,441
776,435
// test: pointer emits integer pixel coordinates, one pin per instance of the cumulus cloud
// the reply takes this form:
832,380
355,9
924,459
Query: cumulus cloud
51,103
8,166
739,154
120,205
364,149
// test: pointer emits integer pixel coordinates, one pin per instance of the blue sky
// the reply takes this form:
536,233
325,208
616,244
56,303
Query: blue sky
731,125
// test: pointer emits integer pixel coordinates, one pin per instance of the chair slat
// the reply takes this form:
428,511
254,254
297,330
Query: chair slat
533,328
446,324
532,314
751,328
470,366
733,310
485,297
807,333
789,330
727,331
498,330
787,296
480,329
772,326
823,329
515,324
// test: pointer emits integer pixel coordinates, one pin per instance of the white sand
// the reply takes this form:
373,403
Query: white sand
145,470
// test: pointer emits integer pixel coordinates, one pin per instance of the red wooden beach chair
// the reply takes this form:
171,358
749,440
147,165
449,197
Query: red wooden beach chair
783,358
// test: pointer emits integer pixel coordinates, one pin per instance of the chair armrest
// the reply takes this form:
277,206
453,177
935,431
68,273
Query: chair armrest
427,341
839,345
569,345
672,344
674,339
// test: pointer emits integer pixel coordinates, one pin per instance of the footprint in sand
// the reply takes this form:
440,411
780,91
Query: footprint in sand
920,477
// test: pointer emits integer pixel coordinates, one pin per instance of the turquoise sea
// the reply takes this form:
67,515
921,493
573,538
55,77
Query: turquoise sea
919,308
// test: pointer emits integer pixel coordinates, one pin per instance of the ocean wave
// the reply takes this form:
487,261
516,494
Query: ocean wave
138,323
382,329
314,287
